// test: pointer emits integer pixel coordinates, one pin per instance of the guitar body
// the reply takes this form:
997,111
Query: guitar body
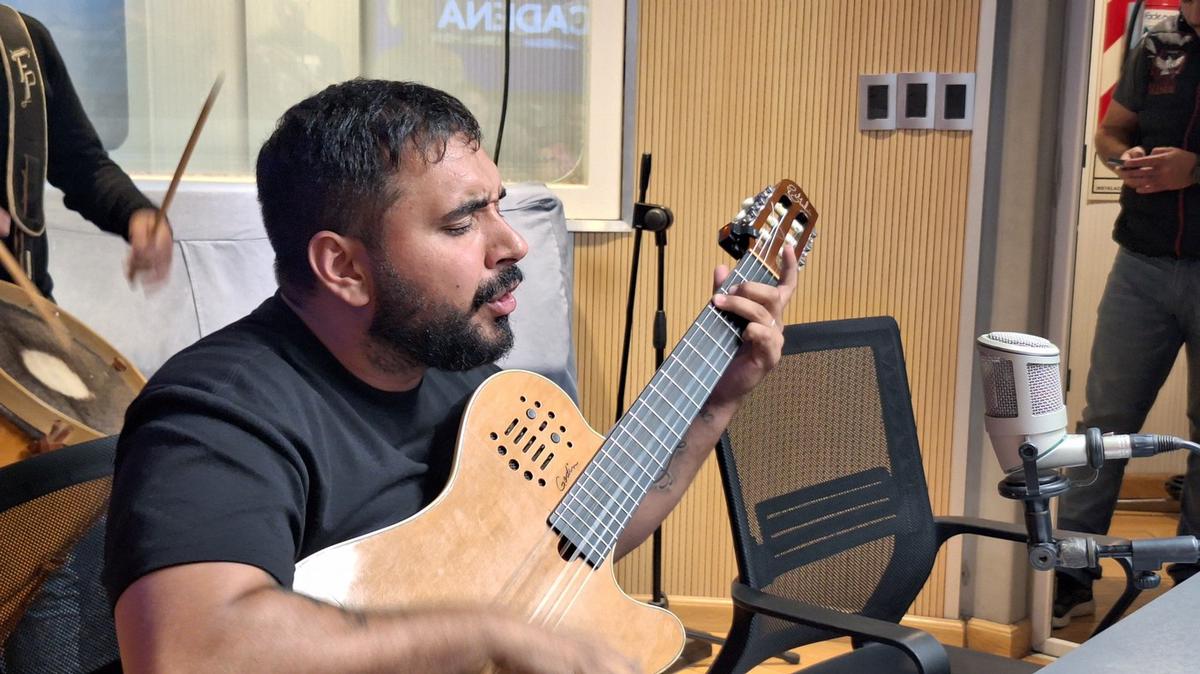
486,540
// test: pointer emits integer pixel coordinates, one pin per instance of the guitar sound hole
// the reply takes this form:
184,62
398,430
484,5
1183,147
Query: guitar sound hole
511,427
502,450
549,458
512,463
567,549
528,475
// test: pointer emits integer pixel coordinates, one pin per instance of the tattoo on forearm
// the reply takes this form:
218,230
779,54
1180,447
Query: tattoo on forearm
666,479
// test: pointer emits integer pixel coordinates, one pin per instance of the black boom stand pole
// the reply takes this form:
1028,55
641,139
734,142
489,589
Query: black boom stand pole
655,218
652,218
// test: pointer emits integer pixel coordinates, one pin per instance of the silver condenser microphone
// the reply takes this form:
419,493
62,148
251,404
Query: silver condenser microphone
1022,390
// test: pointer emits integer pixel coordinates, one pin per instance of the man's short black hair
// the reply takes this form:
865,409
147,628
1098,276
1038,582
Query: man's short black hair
330,163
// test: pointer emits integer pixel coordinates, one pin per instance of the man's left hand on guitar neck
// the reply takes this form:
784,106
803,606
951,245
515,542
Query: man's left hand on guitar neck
762,340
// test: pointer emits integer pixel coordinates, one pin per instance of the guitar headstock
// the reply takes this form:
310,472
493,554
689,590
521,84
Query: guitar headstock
779,215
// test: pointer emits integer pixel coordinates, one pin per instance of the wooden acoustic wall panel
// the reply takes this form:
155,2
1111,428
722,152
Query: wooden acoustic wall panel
733,96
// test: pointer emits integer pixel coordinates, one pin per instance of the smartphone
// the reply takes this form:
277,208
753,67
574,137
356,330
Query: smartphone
1115,162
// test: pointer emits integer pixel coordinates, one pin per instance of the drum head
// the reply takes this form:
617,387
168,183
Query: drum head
87,385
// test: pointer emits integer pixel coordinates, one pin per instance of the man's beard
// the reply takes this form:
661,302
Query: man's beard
410,329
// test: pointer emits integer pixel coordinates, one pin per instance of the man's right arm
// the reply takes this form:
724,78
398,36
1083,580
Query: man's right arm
227,616
1116,133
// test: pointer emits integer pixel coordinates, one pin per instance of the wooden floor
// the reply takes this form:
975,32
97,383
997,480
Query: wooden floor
808,654
1107,589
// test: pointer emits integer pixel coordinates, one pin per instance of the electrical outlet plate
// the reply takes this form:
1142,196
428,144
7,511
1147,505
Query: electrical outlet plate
877,102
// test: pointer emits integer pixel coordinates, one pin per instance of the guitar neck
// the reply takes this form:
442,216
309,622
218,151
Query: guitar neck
599,505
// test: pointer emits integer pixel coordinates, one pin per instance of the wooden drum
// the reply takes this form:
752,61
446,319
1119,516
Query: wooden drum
48,397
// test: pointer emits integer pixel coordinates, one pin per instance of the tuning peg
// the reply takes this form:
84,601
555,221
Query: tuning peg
736,236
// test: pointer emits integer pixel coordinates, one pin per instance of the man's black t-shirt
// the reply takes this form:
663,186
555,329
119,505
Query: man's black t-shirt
1160,83
256,446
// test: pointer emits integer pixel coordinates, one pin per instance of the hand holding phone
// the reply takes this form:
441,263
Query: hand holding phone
1115,162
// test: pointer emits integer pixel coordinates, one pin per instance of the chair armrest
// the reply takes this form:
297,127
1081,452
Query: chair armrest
925,651
950,526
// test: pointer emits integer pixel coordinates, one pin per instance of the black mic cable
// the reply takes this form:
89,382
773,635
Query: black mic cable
504,95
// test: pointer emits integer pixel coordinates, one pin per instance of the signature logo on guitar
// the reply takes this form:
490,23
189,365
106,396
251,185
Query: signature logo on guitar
561,482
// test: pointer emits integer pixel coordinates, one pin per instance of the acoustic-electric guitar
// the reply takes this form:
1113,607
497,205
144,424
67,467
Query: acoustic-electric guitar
536,499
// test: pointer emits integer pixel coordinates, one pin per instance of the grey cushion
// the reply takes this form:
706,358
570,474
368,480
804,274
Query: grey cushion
223,269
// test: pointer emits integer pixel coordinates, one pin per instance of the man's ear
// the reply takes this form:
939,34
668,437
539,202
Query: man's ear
340,264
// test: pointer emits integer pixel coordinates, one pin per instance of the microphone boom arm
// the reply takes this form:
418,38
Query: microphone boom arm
1139,558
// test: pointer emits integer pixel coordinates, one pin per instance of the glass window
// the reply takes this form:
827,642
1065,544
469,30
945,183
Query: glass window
143,67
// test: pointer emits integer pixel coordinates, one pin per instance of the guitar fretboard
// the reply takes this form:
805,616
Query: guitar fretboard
597,507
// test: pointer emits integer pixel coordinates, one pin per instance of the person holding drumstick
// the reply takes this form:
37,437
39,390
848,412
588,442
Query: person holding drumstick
51,138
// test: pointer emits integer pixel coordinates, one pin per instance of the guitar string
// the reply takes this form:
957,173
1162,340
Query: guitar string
761,246
677,359
578,592
737,273
665,371
521,573
592,539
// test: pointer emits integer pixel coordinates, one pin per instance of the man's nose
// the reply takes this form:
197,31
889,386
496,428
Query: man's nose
508,246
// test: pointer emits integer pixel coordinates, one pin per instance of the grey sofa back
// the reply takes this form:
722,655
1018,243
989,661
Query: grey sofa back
223,269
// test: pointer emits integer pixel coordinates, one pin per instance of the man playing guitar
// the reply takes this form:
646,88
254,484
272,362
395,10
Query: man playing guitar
331,410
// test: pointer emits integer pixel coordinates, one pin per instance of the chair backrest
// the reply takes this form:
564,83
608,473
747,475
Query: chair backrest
54,613
824,481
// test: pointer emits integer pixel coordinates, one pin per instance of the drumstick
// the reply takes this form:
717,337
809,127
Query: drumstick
187,154
40,304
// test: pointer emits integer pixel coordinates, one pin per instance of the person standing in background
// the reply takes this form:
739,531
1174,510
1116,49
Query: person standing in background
1149,310
51,138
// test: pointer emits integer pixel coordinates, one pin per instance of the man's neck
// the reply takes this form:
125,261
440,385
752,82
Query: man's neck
343,331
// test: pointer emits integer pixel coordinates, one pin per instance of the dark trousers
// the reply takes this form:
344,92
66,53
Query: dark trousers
1150,309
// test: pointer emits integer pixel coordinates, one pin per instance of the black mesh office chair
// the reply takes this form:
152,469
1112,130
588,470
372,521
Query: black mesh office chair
54,613
834,534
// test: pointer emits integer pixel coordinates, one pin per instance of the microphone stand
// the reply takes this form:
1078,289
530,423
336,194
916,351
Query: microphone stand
1139,558
655,218
652,218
